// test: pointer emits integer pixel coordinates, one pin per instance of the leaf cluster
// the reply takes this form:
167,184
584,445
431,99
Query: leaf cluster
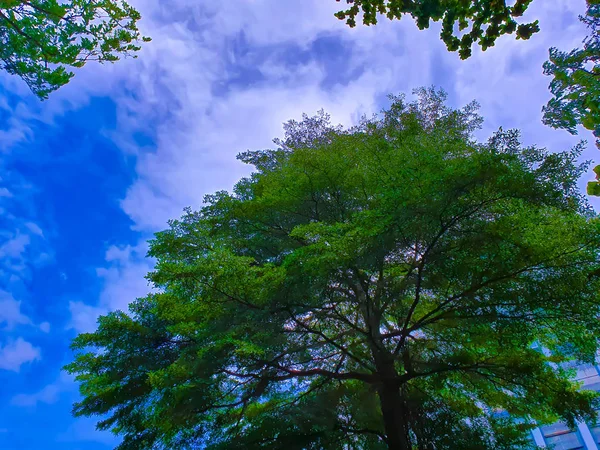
483,20
41,40
575,85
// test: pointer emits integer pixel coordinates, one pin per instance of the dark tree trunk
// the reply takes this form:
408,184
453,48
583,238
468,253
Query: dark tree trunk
392,405
394,418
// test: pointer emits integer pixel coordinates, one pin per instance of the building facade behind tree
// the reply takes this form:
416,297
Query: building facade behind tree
558,436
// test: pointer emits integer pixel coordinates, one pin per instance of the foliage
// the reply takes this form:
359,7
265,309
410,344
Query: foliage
575,86
486,20
371,288
40,40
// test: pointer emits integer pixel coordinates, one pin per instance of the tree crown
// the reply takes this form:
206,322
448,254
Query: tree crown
376,287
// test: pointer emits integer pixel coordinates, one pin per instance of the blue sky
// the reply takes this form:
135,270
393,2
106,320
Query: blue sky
87,176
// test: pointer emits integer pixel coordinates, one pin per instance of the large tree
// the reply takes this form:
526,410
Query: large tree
41,40
388,286
464,22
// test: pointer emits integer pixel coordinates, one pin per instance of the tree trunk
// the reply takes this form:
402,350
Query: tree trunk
392,405
394,418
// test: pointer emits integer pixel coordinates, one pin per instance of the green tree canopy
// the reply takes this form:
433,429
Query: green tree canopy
379,287
41,40
483,20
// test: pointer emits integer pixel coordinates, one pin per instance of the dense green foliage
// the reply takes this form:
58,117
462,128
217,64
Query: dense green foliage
40,40
371,288
575,85
484,20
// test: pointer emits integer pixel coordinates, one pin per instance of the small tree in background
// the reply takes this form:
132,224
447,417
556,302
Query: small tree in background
575,85
377,287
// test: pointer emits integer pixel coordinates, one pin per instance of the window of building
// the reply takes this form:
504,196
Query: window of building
588,375
560,437
595,433
591,383
595,430
585,371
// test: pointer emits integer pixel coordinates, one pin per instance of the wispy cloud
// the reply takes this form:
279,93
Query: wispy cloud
22,241
10,311
16,353
48,394
124,281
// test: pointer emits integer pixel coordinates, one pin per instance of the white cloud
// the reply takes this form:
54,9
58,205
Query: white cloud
45,327
199,135
34,229
10,311
189,52
15,129
16,353
199,138
15,246
123,282
124,278
22,242
22,248
48,394
83,316
84,430
169,93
